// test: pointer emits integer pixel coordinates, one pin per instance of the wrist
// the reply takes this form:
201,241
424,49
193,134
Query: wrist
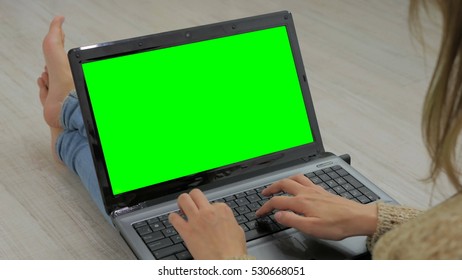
369,219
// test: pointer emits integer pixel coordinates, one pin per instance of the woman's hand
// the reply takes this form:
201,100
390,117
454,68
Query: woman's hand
211,231
317,212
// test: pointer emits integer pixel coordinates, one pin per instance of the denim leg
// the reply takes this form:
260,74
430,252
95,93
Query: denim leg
71,116
73,149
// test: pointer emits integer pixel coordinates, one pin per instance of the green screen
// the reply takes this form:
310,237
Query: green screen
173,112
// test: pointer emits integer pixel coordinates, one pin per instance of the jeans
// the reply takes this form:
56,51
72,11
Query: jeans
73,149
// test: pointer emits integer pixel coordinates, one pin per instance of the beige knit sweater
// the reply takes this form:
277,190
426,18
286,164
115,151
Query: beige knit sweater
406,233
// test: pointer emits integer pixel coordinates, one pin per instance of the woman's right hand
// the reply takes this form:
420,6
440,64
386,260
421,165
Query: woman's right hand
316,212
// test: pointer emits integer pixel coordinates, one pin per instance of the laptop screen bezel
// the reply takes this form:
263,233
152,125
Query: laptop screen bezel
222,175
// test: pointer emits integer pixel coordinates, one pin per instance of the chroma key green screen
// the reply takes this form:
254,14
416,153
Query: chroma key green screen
172,112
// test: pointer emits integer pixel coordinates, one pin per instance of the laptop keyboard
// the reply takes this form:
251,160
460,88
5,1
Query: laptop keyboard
165,243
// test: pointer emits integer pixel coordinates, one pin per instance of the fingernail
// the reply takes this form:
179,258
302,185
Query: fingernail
277,215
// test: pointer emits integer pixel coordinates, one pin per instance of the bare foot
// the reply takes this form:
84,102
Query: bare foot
43,82
56,81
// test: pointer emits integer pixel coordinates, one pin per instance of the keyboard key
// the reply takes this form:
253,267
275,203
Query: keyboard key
262,196
324,186
251,216
260,189
167,223
159,244
355,183
250,192
242,210
153,220
331,183
229,198
316,180
270,227
339,189
324,177
319,172
346,195
372,196
176,239
143,230
157,226
151,237
254,206
363,199
232,204
333,175
241,201
327,170
244,227
251,225
253,197
348,187
332,191
169,232
169,258
241,219
355,193
185,255
139,224
309,175
162,253
263,201
240,195
340,181
163,217
342,172
336,167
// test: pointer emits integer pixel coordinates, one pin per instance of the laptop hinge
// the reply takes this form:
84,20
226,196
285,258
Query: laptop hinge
317,156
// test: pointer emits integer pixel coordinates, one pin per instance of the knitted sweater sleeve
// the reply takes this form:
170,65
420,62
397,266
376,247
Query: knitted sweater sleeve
390,216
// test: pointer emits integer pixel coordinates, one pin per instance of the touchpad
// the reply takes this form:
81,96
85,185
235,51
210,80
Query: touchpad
284,248
293,247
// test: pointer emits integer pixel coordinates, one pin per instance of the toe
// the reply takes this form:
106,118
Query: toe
55,35
53,44
43,90
45,79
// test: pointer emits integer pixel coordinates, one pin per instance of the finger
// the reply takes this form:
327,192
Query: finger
187,205
303,180
290,219
199,198
178,223
280,203
224,209
287,185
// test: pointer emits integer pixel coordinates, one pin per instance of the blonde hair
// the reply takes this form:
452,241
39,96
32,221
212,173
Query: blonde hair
442,112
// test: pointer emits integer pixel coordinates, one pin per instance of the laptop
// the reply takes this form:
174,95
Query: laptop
225,108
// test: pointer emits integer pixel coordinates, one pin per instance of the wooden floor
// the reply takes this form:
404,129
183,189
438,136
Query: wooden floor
367,78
